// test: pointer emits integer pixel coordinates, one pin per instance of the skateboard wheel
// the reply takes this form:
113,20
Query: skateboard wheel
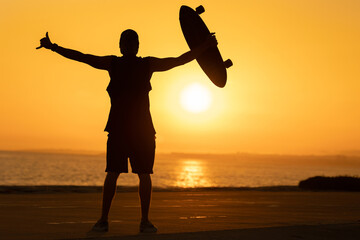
228,63
200,9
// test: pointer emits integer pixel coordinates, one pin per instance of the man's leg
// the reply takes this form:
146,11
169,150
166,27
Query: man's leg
145,188
108,194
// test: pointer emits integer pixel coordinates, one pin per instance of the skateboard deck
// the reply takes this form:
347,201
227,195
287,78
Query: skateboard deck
196,32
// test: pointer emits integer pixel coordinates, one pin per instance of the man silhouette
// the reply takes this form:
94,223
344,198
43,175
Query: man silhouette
130,127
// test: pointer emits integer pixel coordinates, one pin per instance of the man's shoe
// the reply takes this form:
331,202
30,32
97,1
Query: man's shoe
101,226
147,227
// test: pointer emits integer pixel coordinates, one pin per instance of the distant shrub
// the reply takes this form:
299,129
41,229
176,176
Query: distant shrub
342,183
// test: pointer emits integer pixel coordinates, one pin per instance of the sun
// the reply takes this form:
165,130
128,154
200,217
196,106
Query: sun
195,98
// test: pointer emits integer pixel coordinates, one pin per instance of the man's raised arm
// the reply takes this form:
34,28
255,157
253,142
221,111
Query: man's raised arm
164,64
94,61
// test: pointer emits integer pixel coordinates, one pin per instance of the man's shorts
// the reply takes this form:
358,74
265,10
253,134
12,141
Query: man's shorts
140,151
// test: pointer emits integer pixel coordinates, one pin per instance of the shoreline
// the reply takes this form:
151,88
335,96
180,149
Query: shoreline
46,189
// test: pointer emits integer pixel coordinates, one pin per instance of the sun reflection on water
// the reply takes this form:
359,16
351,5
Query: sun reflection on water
192,174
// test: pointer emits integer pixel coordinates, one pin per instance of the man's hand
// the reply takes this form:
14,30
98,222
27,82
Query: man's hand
210,41
45,42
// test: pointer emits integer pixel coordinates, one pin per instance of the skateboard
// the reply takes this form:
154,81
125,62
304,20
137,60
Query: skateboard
196,32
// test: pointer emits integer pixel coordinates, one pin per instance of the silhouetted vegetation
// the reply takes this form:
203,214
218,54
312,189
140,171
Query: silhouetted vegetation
342,183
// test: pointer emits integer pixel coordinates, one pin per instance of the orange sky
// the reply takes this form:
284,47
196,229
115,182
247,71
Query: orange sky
294,87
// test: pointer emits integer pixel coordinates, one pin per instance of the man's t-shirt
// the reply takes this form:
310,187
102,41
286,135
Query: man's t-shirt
129,95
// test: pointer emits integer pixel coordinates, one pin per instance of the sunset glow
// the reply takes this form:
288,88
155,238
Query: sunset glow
294,87
195,98
192,174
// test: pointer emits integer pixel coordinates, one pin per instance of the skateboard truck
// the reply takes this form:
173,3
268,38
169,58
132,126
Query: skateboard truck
228,63
200,9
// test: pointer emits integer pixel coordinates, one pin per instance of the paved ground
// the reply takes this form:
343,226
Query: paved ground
186,215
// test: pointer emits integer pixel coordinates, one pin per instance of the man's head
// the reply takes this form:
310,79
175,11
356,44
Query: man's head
129,43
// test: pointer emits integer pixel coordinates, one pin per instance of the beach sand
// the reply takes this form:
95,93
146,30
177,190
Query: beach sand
215,214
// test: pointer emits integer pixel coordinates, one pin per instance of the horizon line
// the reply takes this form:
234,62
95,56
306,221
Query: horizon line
353,153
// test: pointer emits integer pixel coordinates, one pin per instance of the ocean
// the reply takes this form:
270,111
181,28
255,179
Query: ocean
174,169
